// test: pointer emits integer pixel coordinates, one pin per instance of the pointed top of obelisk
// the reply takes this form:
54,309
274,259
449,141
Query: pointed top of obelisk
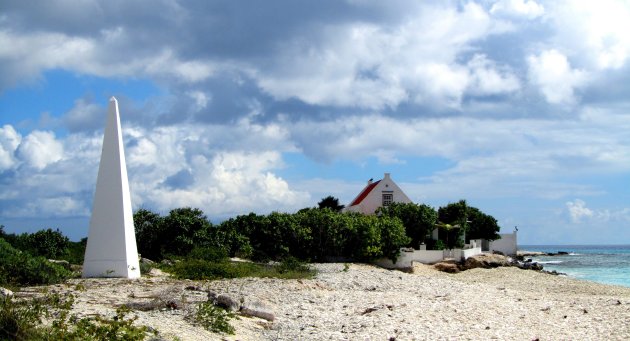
113,99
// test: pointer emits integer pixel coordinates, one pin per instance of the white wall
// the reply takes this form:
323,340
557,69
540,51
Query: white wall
507,244
406,257
467,253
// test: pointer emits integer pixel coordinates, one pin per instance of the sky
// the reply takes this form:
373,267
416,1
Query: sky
521,107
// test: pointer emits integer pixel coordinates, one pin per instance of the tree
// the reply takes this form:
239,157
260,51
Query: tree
48,243
149,228
481,225
419,220
452,223
185,228
330,202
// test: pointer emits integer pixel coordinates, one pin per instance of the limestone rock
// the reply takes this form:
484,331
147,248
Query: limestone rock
258,309
64,263
447,267
486,261
4,293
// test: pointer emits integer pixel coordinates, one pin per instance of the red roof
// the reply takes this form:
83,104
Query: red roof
364,193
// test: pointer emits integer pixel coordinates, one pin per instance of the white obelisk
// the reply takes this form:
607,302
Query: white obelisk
111,246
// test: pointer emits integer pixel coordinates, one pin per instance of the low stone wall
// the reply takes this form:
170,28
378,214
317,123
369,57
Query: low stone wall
467,253
406,257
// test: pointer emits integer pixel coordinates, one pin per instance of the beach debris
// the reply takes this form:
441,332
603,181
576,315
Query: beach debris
370,310
64,263
257,309
227,302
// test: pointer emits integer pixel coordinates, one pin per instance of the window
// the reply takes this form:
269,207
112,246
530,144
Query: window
388,198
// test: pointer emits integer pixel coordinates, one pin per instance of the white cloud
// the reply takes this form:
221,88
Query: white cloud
552,73
39,149
578,211
9,141
26,55
596,31
229,183
486,78
62,206
371,66
529,9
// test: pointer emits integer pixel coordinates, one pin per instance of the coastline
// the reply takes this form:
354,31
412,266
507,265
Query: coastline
367,302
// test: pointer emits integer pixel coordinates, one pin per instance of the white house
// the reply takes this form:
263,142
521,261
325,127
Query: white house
376,194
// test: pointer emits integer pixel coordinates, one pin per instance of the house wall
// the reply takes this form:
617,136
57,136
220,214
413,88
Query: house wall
506,245
374,199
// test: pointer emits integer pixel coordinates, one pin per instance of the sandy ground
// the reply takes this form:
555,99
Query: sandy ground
364,302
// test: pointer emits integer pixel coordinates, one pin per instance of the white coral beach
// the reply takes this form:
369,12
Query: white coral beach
363,302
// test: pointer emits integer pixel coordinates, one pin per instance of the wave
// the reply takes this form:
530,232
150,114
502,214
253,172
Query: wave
550,262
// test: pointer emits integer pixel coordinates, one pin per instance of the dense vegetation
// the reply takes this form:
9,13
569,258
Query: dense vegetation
312,234
19,268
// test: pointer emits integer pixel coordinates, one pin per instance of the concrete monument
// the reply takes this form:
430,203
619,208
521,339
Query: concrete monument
111,246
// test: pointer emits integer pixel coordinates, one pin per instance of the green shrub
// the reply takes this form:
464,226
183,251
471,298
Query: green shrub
290,264
197,269
22,320
211,254
20,268
19,321
213,318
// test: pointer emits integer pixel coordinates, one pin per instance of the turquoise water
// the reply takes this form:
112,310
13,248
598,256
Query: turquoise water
608,264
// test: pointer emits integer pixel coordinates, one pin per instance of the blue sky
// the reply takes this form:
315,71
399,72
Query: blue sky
520,107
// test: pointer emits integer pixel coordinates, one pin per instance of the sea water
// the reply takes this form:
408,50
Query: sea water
608,264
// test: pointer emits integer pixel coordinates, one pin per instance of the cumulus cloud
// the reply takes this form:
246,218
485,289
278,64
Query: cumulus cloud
556,79
39,149
486,78
595,31
578,211
9,141
370,66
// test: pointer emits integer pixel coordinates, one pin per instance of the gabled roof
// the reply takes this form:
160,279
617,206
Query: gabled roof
364,193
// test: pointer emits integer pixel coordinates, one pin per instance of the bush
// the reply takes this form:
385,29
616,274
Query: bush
197,269
213,318
22,320
210,254
18,320
20,268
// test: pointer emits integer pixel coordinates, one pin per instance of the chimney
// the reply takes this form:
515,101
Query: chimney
386,176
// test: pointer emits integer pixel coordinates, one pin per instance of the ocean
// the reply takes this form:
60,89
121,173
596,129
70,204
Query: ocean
608,264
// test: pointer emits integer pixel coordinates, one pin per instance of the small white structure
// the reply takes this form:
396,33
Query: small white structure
111,246
376,194
507,244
